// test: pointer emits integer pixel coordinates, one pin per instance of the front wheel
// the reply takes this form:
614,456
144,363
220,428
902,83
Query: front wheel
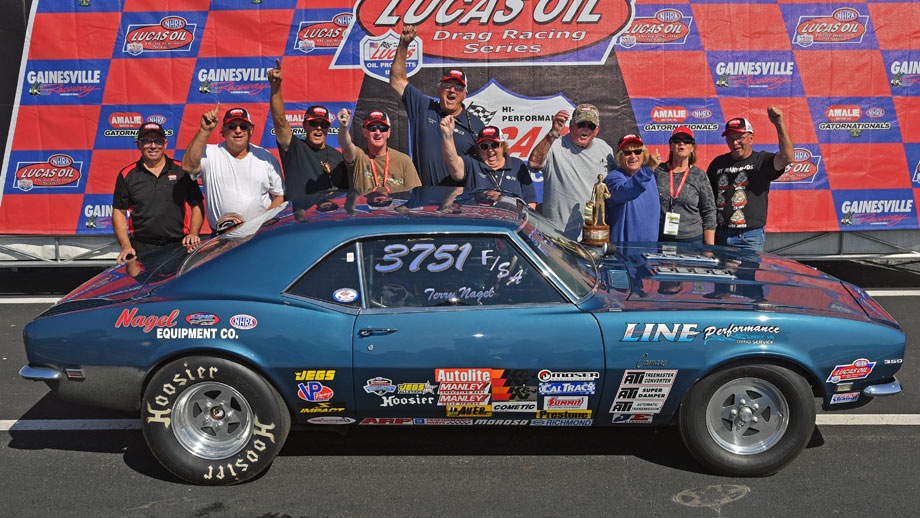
211,421
748,421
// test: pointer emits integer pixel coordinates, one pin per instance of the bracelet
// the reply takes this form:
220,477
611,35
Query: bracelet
553,134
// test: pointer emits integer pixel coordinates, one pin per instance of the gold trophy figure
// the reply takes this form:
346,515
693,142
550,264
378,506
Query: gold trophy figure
596,232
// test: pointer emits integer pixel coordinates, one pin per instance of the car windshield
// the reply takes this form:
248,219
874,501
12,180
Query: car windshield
570,261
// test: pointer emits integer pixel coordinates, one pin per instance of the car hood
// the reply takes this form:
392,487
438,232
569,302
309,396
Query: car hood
682,276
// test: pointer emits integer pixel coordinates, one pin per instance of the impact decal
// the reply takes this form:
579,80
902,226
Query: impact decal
323,408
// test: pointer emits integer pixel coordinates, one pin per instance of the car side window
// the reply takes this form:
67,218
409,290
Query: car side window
334,279
457,270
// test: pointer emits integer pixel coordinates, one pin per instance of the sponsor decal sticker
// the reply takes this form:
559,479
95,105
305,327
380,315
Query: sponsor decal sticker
848,397
315,375
632,418
329,419
859,369
314,391
324,408
563,387
131,318
416,388
469,410
547,375
202,319
345,295
502,422
387,421
243,321
565,403
380,386
514,406
562,422
441,421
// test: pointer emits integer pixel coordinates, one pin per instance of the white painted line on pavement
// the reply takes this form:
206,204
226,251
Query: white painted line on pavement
29,300
59,425
893,293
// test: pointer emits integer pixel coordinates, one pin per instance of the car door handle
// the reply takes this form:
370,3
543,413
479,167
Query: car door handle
375,331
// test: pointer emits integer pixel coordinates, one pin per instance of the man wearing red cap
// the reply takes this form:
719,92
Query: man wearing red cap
491,168
309,166
155,190
741,180
378,168
425,115
240,178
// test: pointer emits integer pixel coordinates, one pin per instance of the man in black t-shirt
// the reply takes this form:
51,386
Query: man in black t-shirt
155,190
741,182
309,166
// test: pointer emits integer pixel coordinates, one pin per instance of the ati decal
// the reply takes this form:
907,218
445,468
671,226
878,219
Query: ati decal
656,377
647,407
857,370
130,318
315,375
314,391
323,408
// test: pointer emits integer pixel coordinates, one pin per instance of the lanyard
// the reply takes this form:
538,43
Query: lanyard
386,171
679,187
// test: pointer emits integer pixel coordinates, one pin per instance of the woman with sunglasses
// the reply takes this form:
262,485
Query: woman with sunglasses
491,168
633,208
688,207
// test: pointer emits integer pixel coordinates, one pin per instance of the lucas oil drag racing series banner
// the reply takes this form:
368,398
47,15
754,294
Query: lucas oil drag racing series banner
846,75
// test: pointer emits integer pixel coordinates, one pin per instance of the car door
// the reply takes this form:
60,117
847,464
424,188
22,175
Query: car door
461,328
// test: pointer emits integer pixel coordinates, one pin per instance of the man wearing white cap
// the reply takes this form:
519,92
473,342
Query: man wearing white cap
741,179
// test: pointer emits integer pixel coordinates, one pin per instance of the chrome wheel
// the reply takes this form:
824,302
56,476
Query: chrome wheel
212,420
747,416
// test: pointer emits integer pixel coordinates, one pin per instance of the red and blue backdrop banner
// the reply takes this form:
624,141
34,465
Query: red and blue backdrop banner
846,74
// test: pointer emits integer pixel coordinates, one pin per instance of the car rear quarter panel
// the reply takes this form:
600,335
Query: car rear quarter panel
697,343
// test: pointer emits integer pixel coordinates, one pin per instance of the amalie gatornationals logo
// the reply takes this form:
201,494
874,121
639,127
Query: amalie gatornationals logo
58,171
502,29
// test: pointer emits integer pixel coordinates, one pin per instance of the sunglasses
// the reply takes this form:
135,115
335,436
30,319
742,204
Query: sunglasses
627,152
153,142
244,127
682,140
590,125
319,124
485,146
378,127
452,86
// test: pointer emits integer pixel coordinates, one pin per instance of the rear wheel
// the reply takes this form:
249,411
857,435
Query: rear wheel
212,421
748,421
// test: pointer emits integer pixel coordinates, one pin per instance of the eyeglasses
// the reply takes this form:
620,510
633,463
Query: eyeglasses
457,87
318,124
378,127
682,140
732,137
590,125
243,126
627,152
153,142
485,146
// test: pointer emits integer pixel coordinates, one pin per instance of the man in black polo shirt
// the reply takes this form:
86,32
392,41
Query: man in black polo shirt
155,190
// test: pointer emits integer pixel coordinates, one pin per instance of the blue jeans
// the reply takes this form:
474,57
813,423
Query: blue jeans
744,238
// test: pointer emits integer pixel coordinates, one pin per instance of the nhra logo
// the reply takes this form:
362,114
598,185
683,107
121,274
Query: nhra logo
669,114
490,31
845,25
243,322
801,169
58,171
666,26
172,33
875,112
323,35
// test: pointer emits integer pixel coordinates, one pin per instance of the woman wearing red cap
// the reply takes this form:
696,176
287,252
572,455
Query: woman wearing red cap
688,207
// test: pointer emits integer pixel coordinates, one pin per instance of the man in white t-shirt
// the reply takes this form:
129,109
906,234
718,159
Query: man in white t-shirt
241,180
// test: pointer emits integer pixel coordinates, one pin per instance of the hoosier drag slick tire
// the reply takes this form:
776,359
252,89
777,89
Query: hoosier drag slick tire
748,421
211,421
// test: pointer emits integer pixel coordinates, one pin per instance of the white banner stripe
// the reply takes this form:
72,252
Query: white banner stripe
61,425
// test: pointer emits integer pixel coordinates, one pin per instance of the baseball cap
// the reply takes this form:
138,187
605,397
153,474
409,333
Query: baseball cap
739,125
629,139
376,116
682,129
454,74
149,127
587,113
236,114
317,112
489,133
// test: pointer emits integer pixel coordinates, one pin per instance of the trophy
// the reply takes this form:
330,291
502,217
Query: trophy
595,231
